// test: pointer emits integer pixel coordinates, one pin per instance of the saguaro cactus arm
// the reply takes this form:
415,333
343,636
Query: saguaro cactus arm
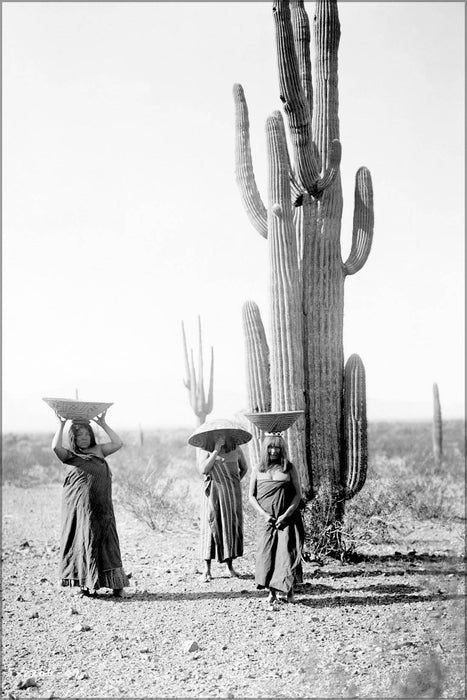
286,358
194,384
206,404
296,189
355,427
296,99
293,97
257,367
244,166
326,30
257,359
363,223
302,36
189,369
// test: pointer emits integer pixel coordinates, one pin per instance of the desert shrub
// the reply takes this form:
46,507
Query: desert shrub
403,486
27,460
249,513
370,524
398,492
157,481
375,515
403,440
158,500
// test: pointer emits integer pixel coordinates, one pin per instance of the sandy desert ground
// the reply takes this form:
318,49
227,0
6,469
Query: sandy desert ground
391,625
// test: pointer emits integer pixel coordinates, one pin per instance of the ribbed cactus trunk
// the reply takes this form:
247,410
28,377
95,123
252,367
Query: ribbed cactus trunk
323,288
302,223
285,290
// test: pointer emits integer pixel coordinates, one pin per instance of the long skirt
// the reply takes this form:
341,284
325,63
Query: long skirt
222,513
278,551
89,547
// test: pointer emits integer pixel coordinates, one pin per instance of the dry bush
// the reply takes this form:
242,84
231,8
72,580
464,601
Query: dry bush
404,484
27,460
154,498
249,513
155,481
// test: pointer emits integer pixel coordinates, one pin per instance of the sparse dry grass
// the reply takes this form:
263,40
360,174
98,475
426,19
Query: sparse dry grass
404,485
159,483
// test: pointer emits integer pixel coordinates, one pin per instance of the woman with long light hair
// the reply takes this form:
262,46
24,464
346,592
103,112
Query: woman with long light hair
275,494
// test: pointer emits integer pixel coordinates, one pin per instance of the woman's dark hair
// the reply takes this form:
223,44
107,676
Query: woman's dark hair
273,441
74,427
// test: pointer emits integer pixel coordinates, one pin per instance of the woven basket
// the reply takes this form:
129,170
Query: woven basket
77,410
274,422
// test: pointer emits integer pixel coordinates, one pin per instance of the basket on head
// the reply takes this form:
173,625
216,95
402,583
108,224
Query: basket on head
77,411
274,421
213,429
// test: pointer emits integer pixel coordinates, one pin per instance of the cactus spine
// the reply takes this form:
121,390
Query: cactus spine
195,384
302,225
437,427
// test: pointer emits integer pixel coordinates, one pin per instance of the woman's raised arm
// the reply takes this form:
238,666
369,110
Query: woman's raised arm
115,443
206,461
57,440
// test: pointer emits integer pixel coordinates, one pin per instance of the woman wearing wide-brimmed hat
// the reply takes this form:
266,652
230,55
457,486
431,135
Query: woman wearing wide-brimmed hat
222,465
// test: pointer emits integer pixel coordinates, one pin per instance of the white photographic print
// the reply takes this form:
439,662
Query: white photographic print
233,349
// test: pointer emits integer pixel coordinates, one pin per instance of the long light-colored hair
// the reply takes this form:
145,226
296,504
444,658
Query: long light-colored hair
273,441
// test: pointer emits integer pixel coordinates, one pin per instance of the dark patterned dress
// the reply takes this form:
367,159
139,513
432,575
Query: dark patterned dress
278,551
222,511
89,548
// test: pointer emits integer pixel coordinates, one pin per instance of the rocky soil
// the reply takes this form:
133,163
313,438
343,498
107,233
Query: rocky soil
390,626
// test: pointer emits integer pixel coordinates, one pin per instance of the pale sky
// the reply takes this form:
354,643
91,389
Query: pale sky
121,215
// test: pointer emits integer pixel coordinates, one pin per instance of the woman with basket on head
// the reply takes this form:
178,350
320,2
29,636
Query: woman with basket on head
275,494
89,549
222,465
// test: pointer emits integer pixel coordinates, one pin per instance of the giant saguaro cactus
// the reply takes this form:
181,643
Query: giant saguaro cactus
302,222
195,384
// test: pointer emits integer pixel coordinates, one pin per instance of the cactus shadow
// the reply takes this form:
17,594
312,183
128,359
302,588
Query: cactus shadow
390,597
138,597
390,589
419,565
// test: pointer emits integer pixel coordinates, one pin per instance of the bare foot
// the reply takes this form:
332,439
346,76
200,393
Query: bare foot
233,573
86,593
207,578
272,597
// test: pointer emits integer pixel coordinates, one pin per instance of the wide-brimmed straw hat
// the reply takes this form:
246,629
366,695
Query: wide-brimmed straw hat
213,429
